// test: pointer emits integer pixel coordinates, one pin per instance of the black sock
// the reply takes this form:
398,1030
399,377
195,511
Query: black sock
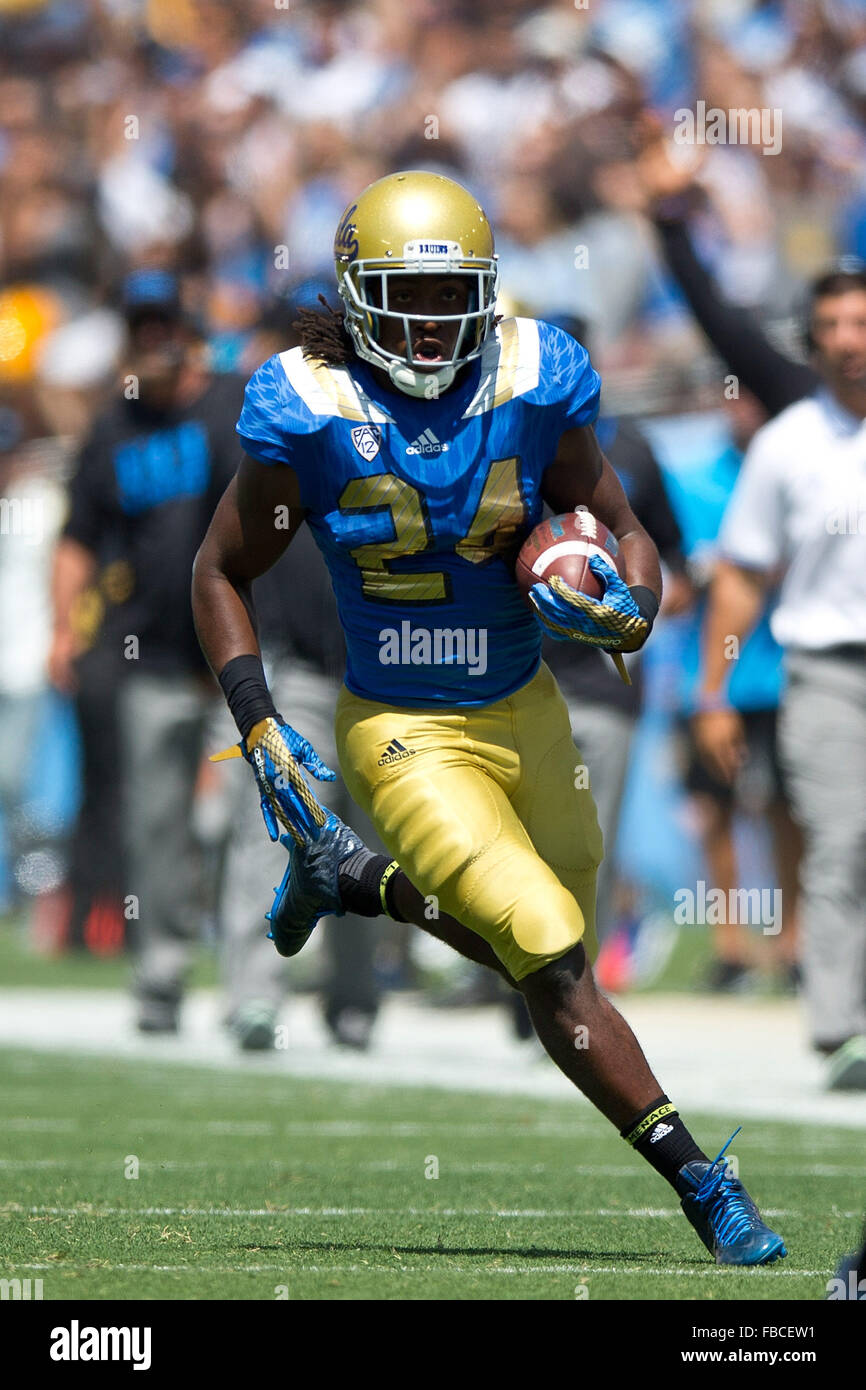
360,883
658,1134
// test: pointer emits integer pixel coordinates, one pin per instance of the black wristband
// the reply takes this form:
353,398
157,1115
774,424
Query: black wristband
647,603
246,691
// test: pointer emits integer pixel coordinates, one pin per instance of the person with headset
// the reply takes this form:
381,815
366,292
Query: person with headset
798,516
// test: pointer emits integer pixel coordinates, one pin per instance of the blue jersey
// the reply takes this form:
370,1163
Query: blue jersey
420,505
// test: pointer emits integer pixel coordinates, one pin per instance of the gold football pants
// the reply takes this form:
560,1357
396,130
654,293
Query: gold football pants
488,810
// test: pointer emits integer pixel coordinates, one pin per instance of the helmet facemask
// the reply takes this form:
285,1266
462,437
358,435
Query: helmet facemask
365,289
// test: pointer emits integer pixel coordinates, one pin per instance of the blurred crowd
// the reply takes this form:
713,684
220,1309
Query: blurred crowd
223,140
213,147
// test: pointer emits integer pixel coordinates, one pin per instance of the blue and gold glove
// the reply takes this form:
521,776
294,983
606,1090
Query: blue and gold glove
620,621
276,753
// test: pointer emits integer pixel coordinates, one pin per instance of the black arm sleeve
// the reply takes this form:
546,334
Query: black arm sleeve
776,380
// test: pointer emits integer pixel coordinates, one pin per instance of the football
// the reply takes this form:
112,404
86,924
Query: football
563,545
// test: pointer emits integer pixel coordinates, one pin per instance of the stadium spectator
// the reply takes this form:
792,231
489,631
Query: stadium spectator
797,510
756,788
766,381
147,481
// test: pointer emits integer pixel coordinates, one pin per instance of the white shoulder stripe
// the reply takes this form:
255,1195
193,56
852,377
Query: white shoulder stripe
509,365
327,390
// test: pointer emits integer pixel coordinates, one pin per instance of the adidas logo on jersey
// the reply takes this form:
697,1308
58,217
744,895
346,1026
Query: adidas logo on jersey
659,1133
395,753
427,443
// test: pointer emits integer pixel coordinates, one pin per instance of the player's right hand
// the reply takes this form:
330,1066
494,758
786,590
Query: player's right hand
663,170
61,662
721,742
276,753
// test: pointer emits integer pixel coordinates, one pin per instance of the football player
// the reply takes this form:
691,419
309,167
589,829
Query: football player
419,438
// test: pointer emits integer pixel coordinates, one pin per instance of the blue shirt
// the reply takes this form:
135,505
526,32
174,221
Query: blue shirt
420,506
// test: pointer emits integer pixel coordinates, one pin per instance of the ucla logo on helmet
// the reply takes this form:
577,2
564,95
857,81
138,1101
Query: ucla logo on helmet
367,441
346,242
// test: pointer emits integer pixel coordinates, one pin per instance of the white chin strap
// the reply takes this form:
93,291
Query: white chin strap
422,384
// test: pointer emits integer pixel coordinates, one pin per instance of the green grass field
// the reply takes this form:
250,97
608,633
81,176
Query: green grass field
252,1186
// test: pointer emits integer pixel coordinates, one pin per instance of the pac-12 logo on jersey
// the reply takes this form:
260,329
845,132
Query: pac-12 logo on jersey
366,439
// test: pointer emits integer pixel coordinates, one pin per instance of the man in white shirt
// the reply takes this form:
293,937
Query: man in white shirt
798,514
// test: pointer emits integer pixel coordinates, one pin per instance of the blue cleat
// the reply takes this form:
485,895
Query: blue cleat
310,887
724,1215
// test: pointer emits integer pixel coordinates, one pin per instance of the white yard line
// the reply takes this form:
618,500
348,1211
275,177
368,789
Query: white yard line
29,1125
529,1213
150,1165
713,1271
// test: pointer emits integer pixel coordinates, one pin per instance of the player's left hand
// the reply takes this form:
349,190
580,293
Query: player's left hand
614,622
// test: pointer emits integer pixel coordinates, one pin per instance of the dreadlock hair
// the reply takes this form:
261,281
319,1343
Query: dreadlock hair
323,334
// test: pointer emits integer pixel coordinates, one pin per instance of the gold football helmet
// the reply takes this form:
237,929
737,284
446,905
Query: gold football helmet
415,223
